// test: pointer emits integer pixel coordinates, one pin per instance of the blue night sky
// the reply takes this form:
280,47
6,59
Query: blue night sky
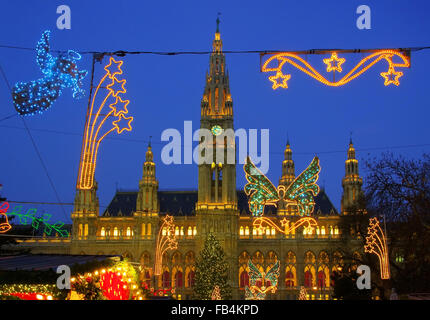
166,90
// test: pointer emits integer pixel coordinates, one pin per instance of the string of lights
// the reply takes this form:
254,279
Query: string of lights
122,53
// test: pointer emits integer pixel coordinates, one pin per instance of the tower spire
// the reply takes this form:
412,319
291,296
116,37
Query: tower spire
351,182
288,171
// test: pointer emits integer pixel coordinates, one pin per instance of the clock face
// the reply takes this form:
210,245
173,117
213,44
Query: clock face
216,130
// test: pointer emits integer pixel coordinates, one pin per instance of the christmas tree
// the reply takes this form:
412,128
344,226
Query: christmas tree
211,271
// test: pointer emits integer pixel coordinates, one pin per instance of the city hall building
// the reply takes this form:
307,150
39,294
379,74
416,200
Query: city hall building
130,224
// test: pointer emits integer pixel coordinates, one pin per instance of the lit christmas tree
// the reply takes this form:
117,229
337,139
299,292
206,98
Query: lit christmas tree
211,271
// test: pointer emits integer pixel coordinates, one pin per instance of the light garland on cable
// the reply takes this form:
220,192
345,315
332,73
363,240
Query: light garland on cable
309,225
93,125
166,240
29,291
256,277
376,243
279,80
59,72
262,192
29,217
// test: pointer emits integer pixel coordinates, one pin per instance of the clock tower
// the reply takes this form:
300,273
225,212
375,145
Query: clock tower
216,208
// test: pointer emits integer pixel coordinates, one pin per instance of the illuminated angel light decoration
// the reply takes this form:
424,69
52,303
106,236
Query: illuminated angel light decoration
376,243
260,282
166,240
4,222
59,72
261,223
280,80
96,118
300,192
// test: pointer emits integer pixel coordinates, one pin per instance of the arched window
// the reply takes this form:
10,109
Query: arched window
194,230
86,230
115,232
178,279
244,279
164,232
241,231
190,231
80,231
103,232
254,231
128,232
318,230
176,231
272,231
149,229
143,229
191,275
290,277
165,279
267,231
321,279
336,230
246,231
308,278
322,230
182,231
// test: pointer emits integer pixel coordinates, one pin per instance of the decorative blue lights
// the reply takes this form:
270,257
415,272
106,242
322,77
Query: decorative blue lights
59,72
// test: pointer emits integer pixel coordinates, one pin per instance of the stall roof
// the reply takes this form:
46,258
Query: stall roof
42,262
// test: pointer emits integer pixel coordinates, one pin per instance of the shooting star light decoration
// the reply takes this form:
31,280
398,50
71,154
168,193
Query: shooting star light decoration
376,243
94,134
166,240
59,72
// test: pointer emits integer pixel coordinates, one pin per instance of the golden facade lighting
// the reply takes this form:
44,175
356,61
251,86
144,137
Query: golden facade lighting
165,241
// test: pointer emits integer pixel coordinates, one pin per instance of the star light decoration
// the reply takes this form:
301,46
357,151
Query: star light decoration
166,240
376,243
59,72
334,63
95,130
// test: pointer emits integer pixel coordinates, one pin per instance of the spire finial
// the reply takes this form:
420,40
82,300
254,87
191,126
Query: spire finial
217,22
350,137
288,139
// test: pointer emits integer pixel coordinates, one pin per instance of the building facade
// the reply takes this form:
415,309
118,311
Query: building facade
130,224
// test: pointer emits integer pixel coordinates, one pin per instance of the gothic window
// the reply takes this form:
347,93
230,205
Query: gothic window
190,231
176,231
164,231
243,279
128,232
194,230
272,231
115,232
149,229
103,232
241,232
322,230
336,230
190,278
258,258
176,258
182,231
190,258
178,279
290,276
86,230
246,231
323,277
309,276
165,279
143,229
243,258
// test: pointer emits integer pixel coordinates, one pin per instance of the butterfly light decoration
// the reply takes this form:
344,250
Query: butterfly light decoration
300,192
